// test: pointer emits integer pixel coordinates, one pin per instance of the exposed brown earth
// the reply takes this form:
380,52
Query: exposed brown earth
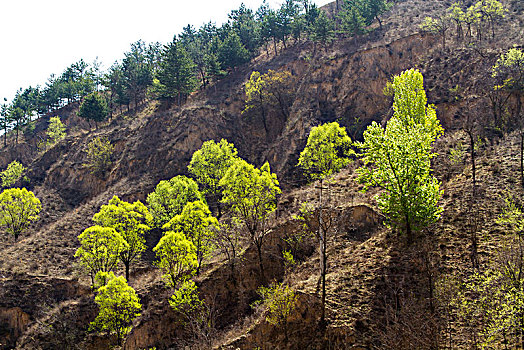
45,302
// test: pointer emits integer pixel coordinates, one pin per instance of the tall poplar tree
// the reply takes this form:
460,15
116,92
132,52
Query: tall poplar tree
397,159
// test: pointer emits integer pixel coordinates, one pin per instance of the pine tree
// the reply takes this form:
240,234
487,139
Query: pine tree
176,74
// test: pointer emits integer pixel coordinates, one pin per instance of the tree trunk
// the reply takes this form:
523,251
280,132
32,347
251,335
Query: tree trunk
126,264
473,169
379,22
522,157
409,230
322,253
260,263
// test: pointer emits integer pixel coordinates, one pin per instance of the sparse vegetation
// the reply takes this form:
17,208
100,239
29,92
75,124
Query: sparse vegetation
99,153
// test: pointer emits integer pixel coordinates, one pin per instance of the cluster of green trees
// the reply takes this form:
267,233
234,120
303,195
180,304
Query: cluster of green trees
190,231
193,59
482,16
396,159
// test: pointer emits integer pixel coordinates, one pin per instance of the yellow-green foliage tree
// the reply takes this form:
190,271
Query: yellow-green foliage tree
176,258
279,302
55,131
118,306
18,208
12,174
130,221
100,248
327,151
489,11
252,195
509,74
170,197
397,159
99,153
438,25
266,92
209,165
198,225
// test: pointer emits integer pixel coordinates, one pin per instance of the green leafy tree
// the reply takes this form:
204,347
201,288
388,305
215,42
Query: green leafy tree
170,197
100,249
327,151
252,194
12,174
398,159
273,91
493,11
18,208
185,299
94,107
199,226
118,306
55,131
457,15
438,25
99,153
322,30
130,221
232,52
176,74
176,258
209,164
279,302
508,72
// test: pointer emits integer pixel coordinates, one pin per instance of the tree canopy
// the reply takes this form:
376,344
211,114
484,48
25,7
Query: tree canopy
18,208
94,107
252,195
118,306
327,151
176,72
176,258
170,197
100,248
130,221
398,159
12,174
198,225
209,165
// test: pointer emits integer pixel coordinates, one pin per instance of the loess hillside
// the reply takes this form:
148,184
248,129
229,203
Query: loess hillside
380,290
